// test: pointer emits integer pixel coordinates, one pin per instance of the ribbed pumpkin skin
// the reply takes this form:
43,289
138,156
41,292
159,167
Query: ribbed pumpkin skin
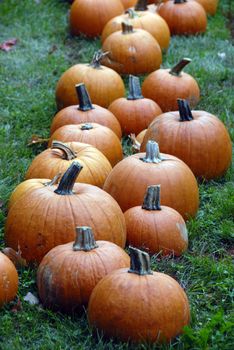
187,18
128,3
90,16
210,6
138,308
104,85
129,179
50,162
156,230
164,88
41,219
132,53
66,278
210,150
8,280
151,22
100,137
72,115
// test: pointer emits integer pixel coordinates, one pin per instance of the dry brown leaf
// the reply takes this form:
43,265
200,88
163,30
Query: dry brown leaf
8,44
36,139
15,257
135,144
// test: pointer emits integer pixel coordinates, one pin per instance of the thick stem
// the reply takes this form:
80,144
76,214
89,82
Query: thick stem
131,13
179,1
152,198
134,88
140,262
177,69
68,152
126,28
85,103
68,180
86,126
54,180
184,110
84,239
97,57
141,5
152,153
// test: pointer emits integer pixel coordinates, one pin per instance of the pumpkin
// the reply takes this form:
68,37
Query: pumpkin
132,51
104,84
199,138
8,280
89,17
135,112
184,17
141,136
129,179
156,228
46,216
210,6
137,304
141,18
85,112
94,134
60,156
69,272
128,3
165,86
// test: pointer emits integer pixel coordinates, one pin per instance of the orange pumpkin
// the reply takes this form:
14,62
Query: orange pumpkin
132,51
165,86
46,216
89,17
135,112
141,136
8,280
69,272
198,138
128,3
60,156
85,112
138,305
104,84
210,6
94,134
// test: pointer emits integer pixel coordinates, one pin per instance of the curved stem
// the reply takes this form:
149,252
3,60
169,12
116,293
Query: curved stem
131,13
184,110
84,239
134,88
54,180
126,28
141,5
97,57
85,103
152,153
177,69
68,180
139,262
86,126
68,152
152,198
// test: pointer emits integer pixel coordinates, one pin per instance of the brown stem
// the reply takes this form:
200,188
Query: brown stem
68,180
134,88
152,198
68,152
139,262
54,180
86,126
85,103
152,153
184,110
126,28
84,239
141,5
177,69
179,1
97,57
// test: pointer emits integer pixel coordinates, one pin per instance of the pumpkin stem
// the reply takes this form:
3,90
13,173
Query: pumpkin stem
131,13
152,153
86,126
179,1
84,239
184,110
139,262
152,198
85,103
97,57
141,5
126,28
54,180
68,180
134,88
177,69
68,152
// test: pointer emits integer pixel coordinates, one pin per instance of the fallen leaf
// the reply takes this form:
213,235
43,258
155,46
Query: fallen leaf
36,139
8,44
135,144
17,307
31,299
15,257
52,49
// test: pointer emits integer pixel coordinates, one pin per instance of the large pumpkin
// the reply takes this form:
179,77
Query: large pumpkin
129,179
104,84
47,216
198,138
164,86
69,272
138,305
8,280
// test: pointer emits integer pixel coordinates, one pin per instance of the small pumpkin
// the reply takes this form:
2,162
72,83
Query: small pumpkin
132,51
138,305
209,153
210,6
165,86
104,84
94,134
135,112
69,272
8,280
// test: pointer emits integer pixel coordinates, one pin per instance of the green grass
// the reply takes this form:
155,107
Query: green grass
28,78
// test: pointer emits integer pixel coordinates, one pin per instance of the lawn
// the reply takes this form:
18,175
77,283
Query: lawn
29,73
